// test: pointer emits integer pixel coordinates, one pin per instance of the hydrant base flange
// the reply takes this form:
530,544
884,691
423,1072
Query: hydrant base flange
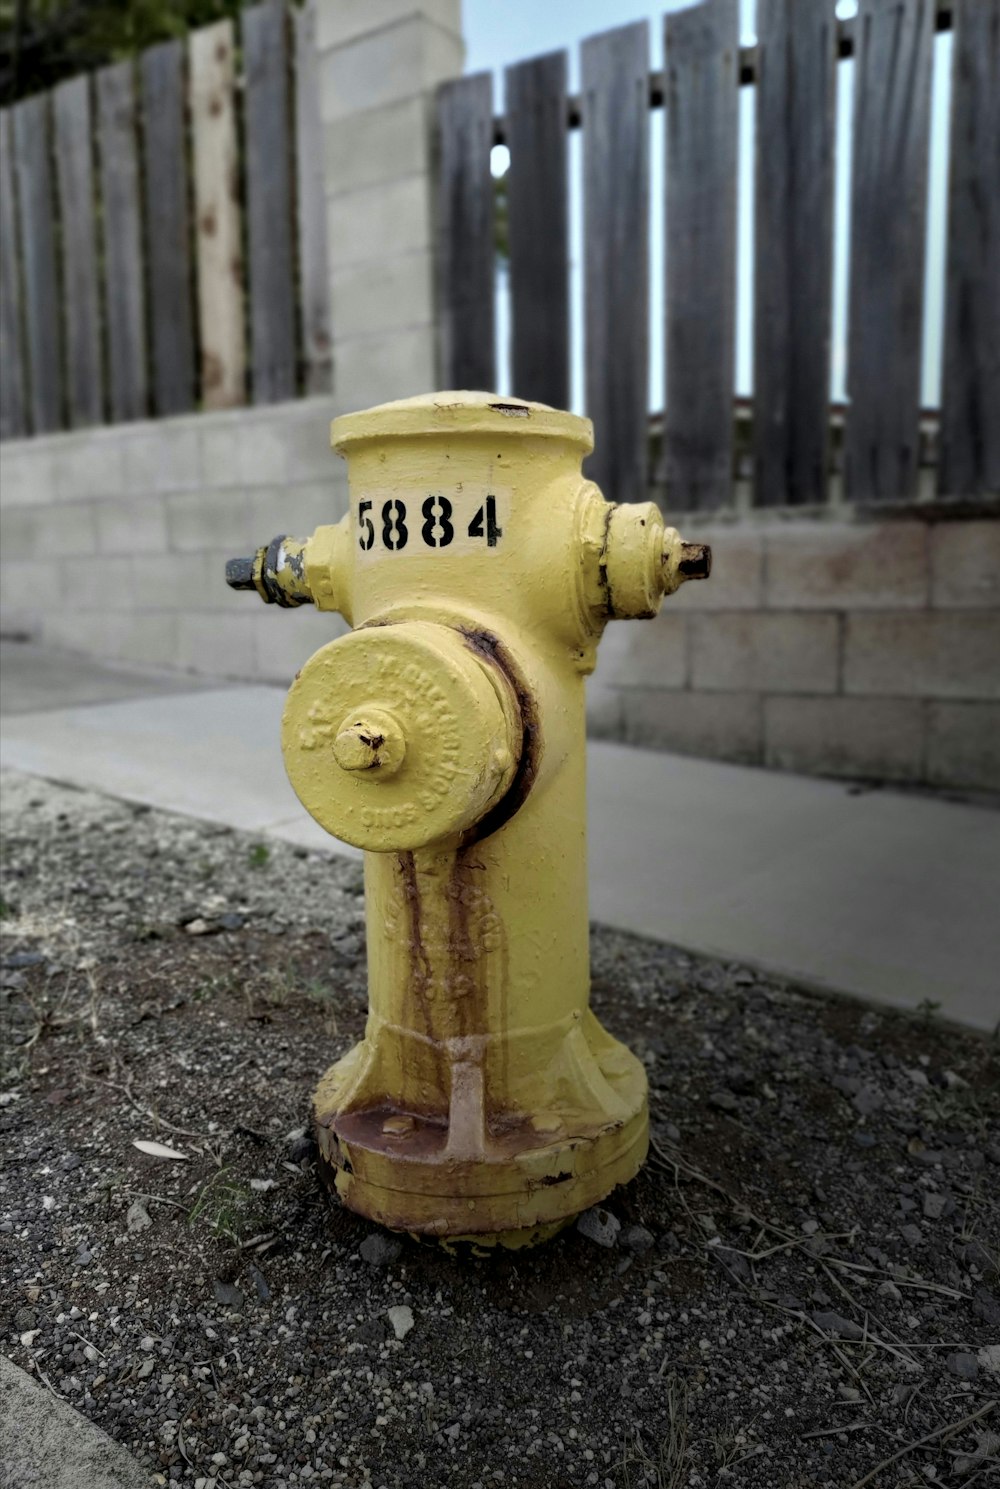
492,1178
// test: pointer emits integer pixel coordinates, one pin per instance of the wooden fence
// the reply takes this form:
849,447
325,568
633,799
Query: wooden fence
793,67
163,231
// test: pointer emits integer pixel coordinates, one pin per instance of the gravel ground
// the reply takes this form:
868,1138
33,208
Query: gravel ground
801,1285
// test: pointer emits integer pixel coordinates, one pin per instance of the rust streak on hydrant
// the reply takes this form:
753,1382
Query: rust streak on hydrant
445,736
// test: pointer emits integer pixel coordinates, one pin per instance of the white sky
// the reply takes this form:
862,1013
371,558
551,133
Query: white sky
498,32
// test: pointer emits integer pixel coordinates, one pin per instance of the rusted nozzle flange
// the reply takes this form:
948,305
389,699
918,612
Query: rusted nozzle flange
276,572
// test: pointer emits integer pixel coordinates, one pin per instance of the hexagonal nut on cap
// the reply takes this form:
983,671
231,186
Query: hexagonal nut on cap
370,740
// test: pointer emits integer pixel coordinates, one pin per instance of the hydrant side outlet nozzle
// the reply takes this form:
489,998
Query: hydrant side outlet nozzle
445,735
276,571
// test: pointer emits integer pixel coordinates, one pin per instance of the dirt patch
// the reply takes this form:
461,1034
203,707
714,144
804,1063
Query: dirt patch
804,1283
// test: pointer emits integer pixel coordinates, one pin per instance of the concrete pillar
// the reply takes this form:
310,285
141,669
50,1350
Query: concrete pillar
380,62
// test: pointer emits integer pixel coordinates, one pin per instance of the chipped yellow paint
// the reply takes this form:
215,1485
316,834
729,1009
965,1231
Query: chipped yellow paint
445,735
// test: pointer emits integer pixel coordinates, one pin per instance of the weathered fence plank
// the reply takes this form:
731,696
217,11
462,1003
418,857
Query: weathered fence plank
78,225
168,227
13,403
264,31
793,252
465,223
701,105
38,261
314,278
211,60
537,228
892,75
970,412
614,86
124,297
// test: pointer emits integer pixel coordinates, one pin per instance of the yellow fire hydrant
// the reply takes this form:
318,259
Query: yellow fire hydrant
445,735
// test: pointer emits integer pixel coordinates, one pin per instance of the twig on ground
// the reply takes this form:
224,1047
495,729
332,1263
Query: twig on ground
147,1111
940,1434
833,1431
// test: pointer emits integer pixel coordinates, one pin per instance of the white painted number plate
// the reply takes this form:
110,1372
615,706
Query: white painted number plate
459,519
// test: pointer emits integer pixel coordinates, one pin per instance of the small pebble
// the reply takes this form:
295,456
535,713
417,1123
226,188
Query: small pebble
379,1250
599,1225
837,1324
401,1318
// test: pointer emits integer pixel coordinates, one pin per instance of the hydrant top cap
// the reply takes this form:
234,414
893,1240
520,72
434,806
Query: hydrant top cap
460,413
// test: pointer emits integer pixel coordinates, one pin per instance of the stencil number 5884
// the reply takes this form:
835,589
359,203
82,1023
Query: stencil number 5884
388,527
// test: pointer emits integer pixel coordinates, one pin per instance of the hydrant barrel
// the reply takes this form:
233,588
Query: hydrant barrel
445,735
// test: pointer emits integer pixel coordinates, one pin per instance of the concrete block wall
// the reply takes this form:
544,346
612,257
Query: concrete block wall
113,541
866,649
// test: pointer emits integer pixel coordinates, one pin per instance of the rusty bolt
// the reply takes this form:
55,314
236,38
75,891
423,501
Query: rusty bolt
695,561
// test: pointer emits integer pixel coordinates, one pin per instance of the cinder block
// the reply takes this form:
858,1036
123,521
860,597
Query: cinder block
90,464
394,365
165,457
103,583
963,745
375,221
285,639
605,717
339,21
215,645
376,146
27,584
764,653
27,475
85,632
247,448
407,56
929,654
138,525
20,625
263,446
737,578
860,567
146,640
878,737
717,726
373,297
219,437
178,581
291,509
68,529
200,520
308,455
645,653
965,565
19,531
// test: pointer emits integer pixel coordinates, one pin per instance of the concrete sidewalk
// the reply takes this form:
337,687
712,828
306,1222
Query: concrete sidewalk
884,895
